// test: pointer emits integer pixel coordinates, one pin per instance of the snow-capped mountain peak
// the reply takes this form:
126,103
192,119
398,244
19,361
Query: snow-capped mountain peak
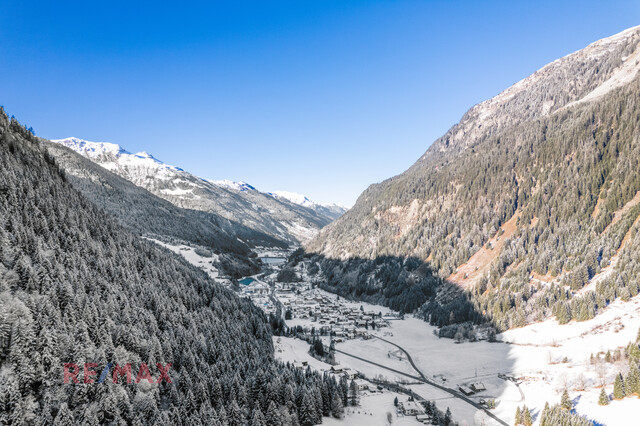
91,149
294,197
331,210
112,156
233,185
235,200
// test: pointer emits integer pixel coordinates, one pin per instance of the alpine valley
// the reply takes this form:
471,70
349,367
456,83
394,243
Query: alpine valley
496,281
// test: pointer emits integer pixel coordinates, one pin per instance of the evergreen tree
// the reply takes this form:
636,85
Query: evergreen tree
353,393
258,419
518,417
618,387
527,420
565,401
64,416
603,399
235,416
344,390
446,421
273,415
337,409
632,382
435,418
307,411
556,415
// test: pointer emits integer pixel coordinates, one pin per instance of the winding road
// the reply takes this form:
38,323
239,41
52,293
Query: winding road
424,379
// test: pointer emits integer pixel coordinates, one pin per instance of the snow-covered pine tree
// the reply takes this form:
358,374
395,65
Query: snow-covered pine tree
337,409
604,398
618,387
565,401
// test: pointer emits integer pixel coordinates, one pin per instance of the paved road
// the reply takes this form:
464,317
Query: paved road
424,379
380,365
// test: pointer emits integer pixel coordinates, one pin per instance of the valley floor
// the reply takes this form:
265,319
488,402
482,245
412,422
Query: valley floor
542,359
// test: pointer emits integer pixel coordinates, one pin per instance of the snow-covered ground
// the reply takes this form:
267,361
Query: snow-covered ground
373,410
202,262
536,345
443,361
374,406
622,412
545,358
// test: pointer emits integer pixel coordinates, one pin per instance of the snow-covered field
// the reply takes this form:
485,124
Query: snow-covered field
545,357
373,410
194,258
534,346
439,359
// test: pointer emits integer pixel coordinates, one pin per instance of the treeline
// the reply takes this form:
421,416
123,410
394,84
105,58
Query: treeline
75,287
404,285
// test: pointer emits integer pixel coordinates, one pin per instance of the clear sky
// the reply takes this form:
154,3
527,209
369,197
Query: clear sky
319,97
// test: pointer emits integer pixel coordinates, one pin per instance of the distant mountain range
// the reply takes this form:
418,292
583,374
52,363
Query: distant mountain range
333,211
276,215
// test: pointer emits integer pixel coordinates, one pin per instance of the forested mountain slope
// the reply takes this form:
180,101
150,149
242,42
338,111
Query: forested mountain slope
76,287
277,217
527,200
146,214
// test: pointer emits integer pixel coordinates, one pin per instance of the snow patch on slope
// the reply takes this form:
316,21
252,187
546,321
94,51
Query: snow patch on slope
623,75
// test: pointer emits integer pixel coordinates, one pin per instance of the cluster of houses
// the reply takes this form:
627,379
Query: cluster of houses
329,316
259,292
315,309
350,374
472,389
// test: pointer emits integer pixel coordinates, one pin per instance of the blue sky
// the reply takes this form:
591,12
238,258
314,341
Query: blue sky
318,97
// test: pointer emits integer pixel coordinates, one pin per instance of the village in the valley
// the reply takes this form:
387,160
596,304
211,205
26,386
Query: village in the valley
404,373
310,311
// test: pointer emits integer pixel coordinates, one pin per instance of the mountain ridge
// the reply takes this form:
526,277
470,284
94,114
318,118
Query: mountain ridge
331,210
151,216
239,202
542,154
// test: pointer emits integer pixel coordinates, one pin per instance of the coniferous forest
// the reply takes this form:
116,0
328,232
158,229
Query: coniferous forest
76,287
564,172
